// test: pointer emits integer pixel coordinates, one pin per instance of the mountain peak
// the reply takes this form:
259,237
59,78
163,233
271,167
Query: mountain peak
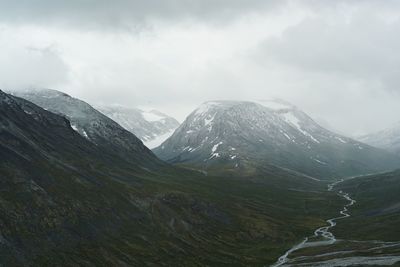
42,92
275,132
91,124
212,105
276,104
5,99
388,139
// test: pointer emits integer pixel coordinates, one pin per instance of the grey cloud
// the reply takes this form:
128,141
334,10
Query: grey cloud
23,67
364,48
105,14
338,61
341,64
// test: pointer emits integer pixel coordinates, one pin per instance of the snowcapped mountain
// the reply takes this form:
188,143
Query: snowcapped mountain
90,123
236,134
388,139
151,127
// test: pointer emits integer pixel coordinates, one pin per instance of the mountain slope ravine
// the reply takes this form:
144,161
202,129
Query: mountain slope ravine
323,249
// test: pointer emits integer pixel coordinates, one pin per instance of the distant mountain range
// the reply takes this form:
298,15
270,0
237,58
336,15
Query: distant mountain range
234,135
388,139
151,127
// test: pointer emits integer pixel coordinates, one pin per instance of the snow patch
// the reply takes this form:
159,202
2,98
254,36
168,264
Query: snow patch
158,140
320,162
274,104
207,121
341,140
205,107
215,155
74,128
213,151
150,117
215,147
292,119
85,134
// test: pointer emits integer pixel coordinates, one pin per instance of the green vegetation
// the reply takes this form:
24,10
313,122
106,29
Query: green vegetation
65,201
376,215
181,218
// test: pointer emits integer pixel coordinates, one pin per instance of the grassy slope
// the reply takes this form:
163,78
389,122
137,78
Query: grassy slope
65,201
180,219
376,215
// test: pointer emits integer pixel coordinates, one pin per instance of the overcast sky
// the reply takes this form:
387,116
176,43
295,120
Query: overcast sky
337,60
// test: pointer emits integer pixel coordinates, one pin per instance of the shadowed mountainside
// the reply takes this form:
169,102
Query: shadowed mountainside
67,201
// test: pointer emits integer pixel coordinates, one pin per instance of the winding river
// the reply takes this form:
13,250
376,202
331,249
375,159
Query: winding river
323,237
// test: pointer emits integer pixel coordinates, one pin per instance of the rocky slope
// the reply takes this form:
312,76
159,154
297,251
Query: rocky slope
151,127
236,134
91,124
67,201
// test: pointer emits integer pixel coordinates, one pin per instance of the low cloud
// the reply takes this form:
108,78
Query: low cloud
126,14
26,66
337,60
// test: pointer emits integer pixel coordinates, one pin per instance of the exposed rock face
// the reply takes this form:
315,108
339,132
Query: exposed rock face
66,200
90,123
270,132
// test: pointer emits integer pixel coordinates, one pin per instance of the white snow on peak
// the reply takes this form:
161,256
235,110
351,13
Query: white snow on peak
215,147
205,107
208,120
214,154
320,162
150,116
153,143
293,120
287,136
275,104
74,127
341,140
85,134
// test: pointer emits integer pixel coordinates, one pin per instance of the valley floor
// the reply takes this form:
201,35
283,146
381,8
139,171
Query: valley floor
325,249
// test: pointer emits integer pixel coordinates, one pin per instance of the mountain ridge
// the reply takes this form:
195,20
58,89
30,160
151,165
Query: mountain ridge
68,201
91,124
388,139
235,132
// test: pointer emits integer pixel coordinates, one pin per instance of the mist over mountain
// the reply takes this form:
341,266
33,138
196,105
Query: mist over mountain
235,134
152,127
388,139
101,171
